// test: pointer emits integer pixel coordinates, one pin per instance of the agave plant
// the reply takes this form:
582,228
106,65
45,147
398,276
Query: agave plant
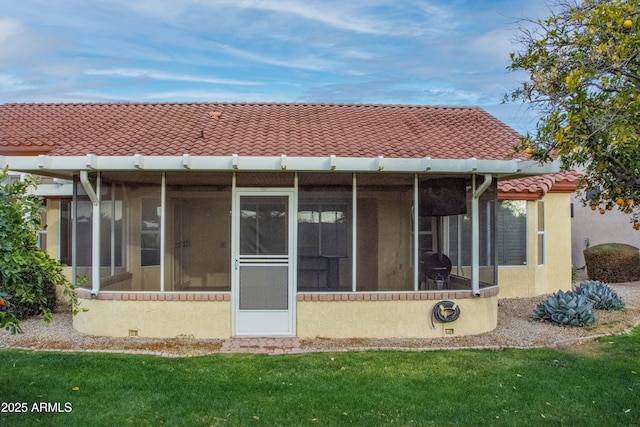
566,308
601,295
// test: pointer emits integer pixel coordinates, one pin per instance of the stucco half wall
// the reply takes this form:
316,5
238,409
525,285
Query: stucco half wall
167,318
393,318
369,315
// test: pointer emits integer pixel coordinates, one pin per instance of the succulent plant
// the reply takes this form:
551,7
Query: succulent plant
601,295
566,308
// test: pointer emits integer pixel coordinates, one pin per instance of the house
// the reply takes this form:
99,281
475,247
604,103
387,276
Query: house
534,223
214,220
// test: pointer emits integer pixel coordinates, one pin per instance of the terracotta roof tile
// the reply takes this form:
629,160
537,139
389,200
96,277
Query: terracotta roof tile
255,129
536,187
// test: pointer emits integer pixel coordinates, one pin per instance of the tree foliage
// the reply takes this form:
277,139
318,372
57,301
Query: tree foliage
26,271
583,63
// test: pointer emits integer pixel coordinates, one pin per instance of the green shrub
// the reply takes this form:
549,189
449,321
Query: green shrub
24,309
566,308
601,295
28,275
613,263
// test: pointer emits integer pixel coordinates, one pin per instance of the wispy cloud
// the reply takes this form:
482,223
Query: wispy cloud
364,51
205,95
307,62
9,28
340,15
159,75
493,46
10,82
20,43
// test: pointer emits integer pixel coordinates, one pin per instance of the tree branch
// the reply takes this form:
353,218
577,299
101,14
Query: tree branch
621,173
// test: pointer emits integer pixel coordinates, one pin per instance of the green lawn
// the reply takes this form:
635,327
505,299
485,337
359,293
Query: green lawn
511,387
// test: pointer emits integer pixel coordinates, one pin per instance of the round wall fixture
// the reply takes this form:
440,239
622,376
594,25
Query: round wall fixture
446,311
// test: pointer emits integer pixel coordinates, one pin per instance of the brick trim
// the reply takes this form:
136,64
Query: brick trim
307,296
395,296
155,296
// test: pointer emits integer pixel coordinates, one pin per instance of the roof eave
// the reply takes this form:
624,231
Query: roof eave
520,195
564,187
24,150
51,165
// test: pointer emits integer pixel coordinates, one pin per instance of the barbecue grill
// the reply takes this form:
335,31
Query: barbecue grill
437,266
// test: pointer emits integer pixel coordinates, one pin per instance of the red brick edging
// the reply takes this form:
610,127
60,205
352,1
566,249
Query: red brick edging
155,296
395,296
317,296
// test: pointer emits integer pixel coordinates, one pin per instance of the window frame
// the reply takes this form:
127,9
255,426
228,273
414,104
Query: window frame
500,241
541,232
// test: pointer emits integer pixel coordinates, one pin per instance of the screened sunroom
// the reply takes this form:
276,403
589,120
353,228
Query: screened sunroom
167,232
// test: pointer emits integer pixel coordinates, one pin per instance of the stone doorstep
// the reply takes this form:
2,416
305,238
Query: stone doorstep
265,345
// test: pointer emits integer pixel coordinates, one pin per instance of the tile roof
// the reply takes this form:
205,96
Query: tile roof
254,129
536,187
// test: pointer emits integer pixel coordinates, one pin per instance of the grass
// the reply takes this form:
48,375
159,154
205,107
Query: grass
375,388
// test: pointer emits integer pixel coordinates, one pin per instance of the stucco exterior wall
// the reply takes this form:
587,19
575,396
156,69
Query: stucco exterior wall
155,319
399,318
53,227
374,315
558,247
612,227
555,273
514,281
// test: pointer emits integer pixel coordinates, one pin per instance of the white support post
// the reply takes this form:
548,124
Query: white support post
163,226
74,234
475,247
294,256
475,231
94,196
112,255
95,239
416,240
354,233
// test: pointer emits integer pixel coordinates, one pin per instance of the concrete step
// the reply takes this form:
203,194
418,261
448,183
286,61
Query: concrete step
261,345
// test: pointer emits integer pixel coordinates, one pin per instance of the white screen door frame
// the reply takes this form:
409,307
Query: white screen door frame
263,292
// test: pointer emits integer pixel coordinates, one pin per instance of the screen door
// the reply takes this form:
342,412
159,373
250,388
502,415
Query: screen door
264,297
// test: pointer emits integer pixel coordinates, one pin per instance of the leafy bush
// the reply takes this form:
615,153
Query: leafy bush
566,308
613,263
28,275
601,295
24,309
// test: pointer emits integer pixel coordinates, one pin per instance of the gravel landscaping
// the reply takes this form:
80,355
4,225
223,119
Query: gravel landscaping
515,330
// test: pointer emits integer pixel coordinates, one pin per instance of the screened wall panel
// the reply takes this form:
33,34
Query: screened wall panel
325,232
198,228
83,239
384,232
112,229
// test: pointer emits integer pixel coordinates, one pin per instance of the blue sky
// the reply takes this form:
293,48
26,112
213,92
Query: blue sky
423,52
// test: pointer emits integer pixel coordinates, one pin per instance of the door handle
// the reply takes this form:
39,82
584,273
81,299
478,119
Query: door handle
237,264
